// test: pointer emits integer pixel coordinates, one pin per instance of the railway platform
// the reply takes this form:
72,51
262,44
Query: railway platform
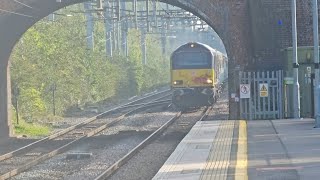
287,149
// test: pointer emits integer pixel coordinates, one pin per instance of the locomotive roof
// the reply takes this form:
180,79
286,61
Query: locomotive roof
205,46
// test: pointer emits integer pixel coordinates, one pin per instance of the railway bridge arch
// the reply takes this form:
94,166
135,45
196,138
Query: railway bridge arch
250,29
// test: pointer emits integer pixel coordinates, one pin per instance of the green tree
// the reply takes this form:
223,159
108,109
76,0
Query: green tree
54,70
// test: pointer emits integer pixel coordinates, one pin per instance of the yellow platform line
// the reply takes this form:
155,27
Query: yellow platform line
241,171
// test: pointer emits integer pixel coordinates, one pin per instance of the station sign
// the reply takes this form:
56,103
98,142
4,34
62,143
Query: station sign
264,92
244,91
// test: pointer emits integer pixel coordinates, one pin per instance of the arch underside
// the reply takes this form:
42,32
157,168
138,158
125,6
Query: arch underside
42,8
232,29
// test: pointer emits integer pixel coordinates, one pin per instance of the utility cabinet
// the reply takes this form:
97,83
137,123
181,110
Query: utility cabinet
306,81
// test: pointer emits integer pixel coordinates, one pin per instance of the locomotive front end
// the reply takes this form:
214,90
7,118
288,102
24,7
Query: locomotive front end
193,76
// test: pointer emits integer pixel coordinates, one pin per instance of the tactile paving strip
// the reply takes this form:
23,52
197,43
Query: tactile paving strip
219,158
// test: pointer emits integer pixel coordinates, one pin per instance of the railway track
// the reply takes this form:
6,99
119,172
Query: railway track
122,161
109,159
24,158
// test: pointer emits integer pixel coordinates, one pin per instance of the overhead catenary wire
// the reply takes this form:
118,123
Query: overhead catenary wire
16,13
20,14
29,16
23,4
98,19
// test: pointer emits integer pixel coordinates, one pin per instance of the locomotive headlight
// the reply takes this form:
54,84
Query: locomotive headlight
209,81
178,82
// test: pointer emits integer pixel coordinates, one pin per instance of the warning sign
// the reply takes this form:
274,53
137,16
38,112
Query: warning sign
264,90
244,91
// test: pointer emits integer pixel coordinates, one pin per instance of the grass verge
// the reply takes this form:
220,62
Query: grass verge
31,129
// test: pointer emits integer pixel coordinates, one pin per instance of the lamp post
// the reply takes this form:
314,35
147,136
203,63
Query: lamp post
316,62
296,86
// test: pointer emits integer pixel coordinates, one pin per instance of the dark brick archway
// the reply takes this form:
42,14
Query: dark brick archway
229,19
253,31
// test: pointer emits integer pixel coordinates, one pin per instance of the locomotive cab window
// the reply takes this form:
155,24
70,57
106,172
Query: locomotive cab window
192,60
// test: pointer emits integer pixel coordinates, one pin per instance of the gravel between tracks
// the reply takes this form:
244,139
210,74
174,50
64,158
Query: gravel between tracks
149,160
74,117
110,145
105,151
107,147
13,143
140,122
7,145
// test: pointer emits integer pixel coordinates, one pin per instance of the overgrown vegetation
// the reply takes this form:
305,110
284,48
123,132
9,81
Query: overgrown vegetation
52,70
31,128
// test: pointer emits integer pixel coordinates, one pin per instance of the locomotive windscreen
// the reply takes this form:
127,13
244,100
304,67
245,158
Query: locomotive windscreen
192,60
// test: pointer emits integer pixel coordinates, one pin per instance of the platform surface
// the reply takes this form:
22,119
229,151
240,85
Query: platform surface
203,153
283,149
287,149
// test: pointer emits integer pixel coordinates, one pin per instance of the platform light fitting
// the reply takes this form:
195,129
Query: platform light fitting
59,1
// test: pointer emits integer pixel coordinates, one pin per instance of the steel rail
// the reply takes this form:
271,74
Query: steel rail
62,132
114,167
22,168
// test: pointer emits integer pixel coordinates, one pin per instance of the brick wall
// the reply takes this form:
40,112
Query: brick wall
272,29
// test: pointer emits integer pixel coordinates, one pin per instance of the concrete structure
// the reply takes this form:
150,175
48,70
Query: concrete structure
265,149
253,32
202,154
283,149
